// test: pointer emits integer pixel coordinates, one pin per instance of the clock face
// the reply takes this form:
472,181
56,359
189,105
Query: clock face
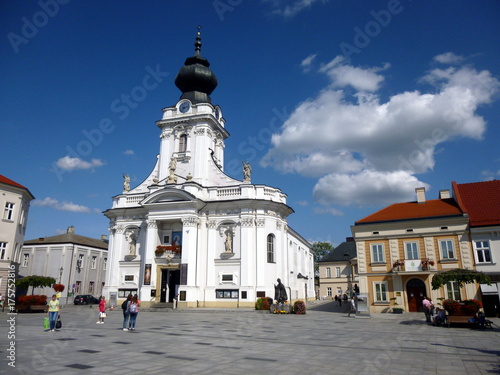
184,107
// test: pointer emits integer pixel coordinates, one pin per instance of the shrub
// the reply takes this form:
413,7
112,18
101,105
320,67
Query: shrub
299,307
471,306
262,303
32,300
258,304
452,306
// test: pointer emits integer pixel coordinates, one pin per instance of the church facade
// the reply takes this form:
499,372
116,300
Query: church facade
193,234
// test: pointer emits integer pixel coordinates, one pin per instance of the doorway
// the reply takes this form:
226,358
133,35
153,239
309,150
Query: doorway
415,291
170,279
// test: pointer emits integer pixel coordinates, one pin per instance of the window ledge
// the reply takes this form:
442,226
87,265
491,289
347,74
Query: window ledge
451,260
378,264
381,303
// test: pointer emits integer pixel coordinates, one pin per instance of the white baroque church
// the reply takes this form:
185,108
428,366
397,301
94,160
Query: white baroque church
191,233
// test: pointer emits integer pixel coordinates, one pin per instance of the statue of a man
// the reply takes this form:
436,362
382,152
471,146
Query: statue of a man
247,171
173,165
280,293
132,243
126,182
228,244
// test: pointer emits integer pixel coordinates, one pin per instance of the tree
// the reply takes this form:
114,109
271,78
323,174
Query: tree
35,282
460,276
320,250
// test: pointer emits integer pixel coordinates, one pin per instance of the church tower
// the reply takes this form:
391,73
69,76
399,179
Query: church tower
191,233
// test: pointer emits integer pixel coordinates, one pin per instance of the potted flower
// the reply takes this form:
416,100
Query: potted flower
426,263
396,309
59,288
160,250
397,264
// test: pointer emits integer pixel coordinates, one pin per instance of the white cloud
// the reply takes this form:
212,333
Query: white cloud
129,152
68,163
62,206
327,211
449,58
307,62
288,8
368,151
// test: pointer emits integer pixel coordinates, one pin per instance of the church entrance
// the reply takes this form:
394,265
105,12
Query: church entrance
415,290
170,279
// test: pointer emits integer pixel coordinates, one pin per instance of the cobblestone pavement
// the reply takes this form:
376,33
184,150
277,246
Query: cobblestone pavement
324,341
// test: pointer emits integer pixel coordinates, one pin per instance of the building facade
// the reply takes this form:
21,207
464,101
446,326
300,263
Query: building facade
191,233
481,202
338,273
77,262
15,201
401,247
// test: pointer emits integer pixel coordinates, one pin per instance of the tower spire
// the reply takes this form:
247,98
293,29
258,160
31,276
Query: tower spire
197,44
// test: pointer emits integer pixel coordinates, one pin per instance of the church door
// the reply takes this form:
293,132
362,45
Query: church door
170,279
415,290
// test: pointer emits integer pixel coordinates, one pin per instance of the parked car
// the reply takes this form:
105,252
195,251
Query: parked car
85,299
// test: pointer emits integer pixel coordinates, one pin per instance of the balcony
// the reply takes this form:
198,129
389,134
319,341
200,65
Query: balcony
412,265
168,254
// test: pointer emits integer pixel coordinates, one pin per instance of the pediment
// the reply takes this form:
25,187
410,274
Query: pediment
168,196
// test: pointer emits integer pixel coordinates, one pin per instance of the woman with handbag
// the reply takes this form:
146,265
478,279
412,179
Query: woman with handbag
102,310
53,312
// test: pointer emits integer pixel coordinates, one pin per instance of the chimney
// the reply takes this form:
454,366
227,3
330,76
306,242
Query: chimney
71,230
420,194
444,194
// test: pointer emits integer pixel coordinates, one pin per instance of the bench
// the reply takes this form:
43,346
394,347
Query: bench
459,319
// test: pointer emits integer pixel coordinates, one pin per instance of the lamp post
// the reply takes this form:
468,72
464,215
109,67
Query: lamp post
60,274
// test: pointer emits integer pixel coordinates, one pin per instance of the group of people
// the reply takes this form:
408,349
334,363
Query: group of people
130,309
433,315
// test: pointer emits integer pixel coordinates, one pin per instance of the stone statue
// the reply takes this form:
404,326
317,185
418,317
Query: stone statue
247,171
228,244
172,167
126,182
280,292
132,241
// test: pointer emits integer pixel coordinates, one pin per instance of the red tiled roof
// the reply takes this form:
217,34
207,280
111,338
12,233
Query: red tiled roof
414,210
8,181
481,200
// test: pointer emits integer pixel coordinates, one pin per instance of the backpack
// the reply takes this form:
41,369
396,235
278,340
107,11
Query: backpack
132,308
124,305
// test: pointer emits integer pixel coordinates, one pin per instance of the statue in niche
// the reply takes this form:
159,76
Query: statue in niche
247,171
228,243
280,293
132,242
172,167
126,182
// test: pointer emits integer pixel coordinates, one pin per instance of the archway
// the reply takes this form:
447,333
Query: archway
415,291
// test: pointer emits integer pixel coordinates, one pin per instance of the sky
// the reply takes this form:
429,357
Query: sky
346,106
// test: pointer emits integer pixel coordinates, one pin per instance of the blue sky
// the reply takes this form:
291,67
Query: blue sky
346,106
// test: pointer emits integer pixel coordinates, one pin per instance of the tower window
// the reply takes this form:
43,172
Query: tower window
183,143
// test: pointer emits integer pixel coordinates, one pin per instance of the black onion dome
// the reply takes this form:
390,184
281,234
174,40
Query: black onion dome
195,79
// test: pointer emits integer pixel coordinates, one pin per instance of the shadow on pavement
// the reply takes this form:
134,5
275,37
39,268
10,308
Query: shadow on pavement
332,307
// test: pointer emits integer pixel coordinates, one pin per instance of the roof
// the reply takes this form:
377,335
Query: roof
8,181
69,238
342,253
413,210
480,200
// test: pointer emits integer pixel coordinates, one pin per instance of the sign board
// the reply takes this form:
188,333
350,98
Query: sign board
413,265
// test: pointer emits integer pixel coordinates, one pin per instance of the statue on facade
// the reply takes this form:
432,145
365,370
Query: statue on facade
247,171
172,178
280,293
132,242
228,243
126,182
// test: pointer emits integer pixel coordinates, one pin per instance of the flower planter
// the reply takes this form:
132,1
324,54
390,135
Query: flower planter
397,310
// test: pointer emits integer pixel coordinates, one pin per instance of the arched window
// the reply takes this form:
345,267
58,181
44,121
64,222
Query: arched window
183,143
270,248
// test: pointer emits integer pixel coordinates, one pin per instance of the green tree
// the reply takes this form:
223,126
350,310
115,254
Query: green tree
320,250
459,275
35,282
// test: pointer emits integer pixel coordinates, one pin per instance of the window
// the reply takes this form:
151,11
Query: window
123,293
183,143
377,253
78,287
91,287
105,264
447,251
228,278
227,293
129,277
3,249
26,260
380,291
329,292
453,291
94,262
411,250
483,252
270,248
328,272
79,262
337,271
9,211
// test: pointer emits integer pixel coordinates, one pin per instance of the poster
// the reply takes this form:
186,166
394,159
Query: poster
147,274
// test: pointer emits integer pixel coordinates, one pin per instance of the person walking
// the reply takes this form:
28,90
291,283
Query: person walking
133,308
102,310
53,312
428,307
353,306
126,313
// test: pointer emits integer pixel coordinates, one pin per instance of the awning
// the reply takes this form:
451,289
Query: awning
489,289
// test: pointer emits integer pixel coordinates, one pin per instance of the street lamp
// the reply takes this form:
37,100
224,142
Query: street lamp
60,274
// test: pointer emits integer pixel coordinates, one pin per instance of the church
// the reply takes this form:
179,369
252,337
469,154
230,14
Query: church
190,233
